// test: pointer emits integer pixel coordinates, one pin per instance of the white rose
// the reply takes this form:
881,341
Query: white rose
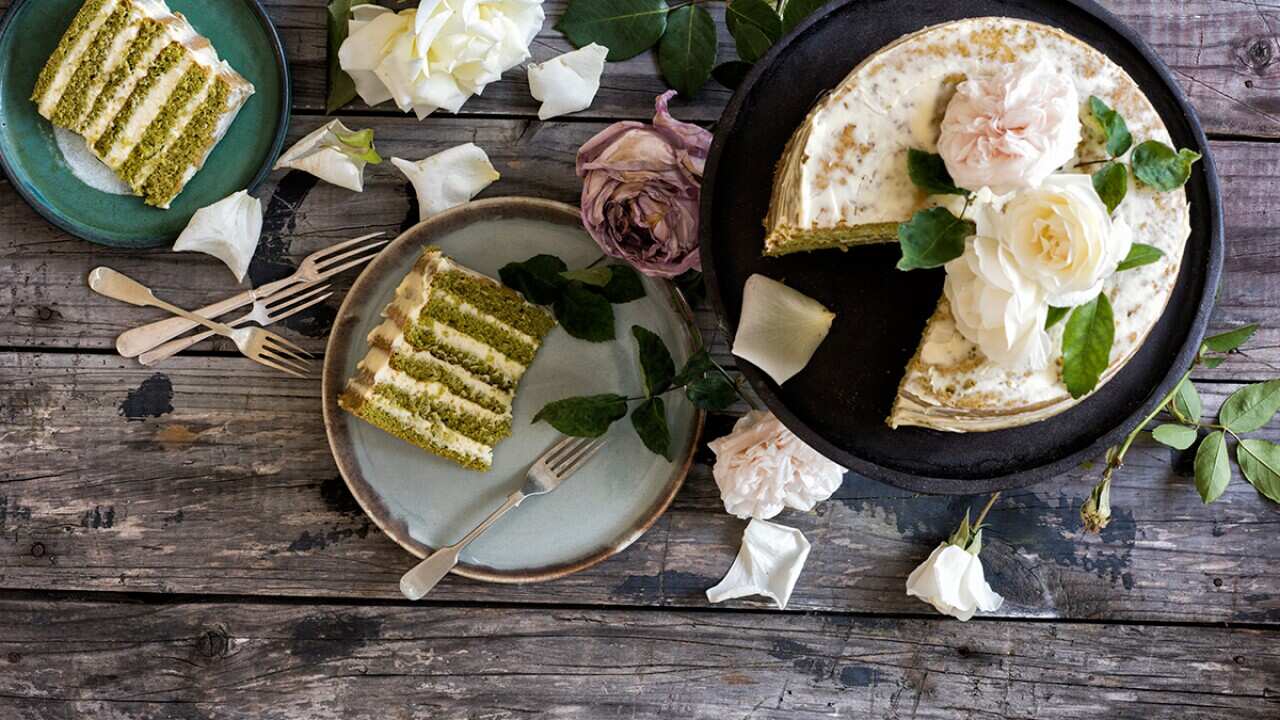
1010,130
995,306
762,467
952,581
1063,239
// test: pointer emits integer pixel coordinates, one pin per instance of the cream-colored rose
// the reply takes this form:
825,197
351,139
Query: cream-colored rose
1010,130
1063,239
995,306
952,581
762,467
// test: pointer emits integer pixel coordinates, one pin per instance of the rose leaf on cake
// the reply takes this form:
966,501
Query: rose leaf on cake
932,238
1086,345
1140,255
687,52
228,230
768,563
929,173
334,153
780,328
626,27
1111,182
1161,167
567,83
1111,126
449,178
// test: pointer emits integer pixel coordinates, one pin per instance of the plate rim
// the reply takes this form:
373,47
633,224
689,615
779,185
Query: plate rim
145,243
332,380
931,485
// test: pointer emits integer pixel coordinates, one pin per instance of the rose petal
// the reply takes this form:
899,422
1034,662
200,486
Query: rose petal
449,178
569,82
228,230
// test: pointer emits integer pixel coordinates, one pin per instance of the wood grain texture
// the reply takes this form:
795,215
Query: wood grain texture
215,477
209,661
44,302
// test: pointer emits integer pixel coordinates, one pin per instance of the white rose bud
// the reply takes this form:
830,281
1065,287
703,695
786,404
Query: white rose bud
951,580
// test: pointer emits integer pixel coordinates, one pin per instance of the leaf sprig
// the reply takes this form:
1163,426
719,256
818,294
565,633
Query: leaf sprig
704,383
582,300
1183,426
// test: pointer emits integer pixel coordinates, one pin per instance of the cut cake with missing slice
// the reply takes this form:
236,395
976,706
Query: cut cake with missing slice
442,369
147,92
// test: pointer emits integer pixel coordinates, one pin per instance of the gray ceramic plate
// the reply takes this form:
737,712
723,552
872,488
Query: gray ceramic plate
422,501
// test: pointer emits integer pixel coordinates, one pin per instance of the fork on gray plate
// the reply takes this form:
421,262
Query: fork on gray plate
267,311
265,348
557,464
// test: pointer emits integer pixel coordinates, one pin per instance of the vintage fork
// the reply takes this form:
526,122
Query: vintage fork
557,464
281,306
257,344
320,265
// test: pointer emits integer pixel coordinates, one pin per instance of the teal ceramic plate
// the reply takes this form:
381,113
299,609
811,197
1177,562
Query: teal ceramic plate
423,502
29,154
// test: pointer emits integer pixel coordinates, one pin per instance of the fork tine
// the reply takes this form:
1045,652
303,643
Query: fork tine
572,457
581,458
278,304
280,341
291,289
275,347
287,361
347,266
277,317
325,253
563,448
264,361
324,265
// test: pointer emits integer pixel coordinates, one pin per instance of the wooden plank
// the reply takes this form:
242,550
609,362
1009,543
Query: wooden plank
123,661
215,477
1223,53
46,304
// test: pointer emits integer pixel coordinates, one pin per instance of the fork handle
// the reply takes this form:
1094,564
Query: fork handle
133,343
173,347
425,575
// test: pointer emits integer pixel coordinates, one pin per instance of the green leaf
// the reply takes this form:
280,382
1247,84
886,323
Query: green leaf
1260,463
688,49
656,364
1213,469
754,25
795,11
596,276
586,416
1112,184
1140,255
1213,362
1250,408
929,173
1186,402
1055,316
712,392
731,74
624,285
1158,166
584,314
537,278
1232,339
1086,345
626,27
361,146
342,89
1178,437
1113,127
650,421
698,364
932,238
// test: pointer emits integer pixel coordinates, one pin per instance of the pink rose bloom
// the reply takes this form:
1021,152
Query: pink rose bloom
640,190
1010,130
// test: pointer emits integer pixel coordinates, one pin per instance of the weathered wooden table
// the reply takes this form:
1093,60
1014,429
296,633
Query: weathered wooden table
176,543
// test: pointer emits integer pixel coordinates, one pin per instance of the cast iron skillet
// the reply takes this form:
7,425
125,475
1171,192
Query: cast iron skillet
838,404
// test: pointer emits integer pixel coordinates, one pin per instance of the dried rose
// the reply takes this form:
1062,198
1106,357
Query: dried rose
640,190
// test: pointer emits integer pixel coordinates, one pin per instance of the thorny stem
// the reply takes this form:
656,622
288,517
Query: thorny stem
1116,461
